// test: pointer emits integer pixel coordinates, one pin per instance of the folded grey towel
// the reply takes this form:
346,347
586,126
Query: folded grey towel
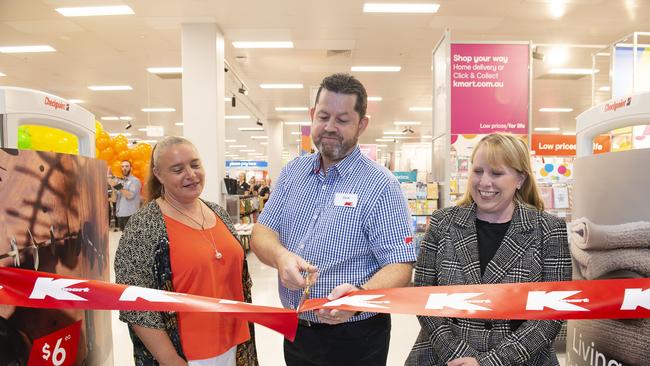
592,264
587,235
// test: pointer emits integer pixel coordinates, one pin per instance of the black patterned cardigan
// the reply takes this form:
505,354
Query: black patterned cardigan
142,259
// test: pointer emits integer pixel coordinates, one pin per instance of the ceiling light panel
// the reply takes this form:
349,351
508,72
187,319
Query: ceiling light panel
237,116
281,86
375,99
559,110
263,44
407,123
249,129
400,8
547,129
161,109
375,68
291,109
306,123
93,11
570,71
110,118
75,101
26,49
165,70
109,87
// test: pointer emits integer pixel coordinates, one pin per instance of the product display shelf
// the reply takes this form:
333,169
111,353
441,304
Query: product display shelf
557,198
423,201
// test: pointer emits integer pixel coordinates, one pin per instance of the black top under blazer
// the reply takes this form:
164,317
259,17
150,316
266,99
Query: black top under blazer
534,249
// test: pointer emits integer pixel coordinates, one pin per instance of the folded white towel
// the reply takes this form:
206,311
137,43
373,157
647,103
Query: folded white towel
586,235
592,264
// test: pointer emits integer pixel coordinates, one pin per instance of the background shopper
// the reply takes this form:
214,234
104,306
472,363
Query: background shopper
127,194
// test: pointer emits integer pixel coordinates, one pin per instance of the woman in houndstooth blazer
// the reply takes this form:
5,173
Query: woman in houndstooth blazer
497,233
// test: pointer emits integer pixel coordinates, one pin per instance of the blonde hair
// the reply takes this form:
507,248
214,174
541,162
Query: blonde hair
507,149
154,186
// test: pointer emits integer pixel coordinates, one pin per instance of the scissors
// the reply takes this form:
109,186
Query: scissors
305,292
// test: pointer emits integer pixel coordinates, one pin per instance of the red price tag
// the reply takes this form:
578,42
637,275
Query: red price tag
56,349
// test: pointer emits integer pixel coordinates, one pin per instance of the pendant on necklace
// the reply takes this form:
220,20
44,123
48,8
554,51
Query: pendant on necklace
217,254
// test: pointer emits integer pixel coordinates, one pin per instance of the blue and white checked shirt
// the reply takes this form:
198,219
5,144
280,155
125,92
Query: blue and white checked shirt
347,244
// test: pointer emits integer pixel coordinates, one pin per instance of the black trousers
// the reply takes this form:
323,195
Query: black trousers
362,343
121,222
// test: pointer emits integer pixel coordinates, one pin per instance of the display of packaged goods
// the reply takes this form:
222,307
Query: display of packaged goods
560,197
409,190
546,194
432,191
421,191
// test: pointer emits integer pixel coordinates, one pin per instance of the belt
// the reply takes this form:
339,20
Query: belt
310,324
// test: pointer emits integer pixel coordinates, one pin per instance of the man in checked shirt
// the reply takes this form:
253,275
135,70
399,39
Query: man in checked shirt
341,215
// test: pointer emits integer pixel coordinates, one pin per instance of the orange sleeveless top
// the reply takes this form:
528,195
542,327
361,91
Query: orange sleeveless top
196,271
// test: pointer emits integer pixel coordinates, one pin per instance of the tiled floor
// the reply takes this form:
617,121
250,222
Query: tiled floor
269,343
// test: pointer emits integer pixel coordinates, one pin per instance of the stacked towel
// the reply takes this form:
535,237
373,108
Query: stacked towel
586,235
600,249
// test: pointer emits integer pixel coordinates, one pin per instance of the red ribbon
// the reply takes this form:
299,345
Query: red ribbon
598,299
47,290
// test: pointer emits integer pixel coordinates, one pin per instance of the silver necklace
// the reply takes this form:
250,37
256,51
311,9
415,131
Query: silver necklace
217,254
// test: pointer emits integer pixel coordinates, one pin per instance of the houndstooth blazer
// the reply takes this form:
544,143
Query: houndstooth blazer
535,248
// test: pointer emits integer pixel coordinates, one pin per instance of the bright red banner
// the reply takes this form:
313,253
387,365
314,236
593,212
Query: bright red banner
596,299
47,290
56,349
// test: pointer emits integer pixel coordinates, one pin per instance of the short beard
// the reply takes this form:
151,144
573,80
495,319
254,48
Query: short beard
337,153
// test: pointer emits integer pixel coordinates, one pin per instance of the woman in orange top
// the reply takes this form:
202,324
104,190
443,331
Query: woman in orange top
178,233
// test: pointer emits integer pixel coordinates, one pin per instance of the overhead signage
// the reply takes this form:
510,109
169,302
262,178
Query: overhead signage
489,88
246,164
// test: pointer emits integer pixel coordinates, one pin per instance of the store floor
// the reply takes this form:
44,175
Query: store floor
269,343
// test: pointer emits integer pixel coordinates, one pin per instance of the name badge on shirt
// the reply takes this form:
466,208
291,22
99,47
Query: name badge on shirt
346,199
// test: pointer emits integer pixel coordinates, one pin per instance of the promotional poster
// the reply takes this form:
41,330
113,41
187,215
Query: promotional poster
54,219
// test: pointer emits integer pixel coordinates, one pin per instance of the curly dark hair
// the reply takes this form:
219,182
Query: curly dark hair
346,84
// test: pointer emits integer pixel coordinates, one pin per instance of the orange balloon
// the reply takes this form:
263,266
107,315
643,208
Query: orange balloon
133,154
116,168
120,146
101,143
123,155
121,138
138,165
103,135
106,154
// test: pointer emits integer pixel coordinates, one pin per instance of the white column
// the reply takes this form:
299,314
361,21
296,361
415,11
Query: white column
203,106
274,148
